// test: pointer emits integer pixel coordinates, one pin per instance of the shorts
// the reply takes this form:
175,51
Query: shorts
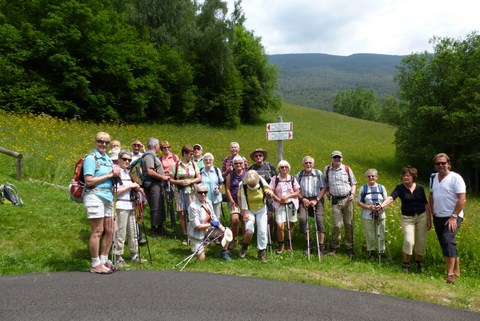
280,214
236,210
179,201
196,244
97,207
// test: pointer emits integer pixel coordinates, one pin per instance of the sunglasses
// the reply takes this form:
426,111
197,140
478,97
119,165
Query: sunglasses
282,167
441,163
126,159
238,163
336,157
197,148
103,142
165,147
258,155
371,176
202,192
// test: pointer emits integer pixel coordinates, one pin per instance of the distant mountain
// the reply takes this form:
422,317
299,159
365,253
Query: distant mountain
313,79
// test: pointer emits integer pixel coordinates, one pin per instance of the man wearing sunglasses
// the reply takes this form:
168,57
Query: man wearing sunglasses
447,198
341,186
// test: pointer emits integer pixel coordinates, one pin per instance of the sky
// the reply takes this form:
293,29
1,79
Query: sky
345,27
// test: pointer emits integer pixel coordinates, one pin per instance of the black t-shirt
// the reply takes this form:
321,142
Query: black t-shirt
267,171
412,203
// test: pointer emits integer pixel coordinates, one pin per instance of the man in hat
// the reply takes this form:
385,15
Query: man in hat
341,186
266,170
198,156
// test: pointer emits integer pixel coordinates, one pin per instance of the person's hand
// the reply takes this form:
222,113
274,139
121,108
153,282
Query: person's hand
216,191
214,223
116,171
452,224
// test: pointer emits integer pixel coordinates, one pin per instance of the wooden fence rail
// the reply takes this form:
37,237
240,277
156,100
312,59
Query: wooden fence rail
16,155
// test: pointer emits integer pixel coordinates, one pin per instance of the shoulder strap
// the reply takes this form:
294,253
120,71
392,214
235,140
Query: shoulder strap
302,172
326,175
347,169
364,192
432,177
217,171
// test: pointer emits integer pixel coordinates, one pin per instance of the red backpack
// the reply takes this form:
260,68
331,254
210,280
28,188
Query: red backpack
77,184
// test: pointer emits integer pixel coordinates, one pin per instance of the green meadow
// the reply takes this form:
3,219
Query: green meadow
50,232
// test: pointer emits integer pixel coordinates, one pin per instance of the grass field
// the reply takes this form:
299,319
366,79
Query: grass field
50,232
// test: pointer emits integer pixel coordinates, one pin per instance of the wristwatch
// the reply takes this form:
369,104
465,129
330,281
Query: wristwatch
454,215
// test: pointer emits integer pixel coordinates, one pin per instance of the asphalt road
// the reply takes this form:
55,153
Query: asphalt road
175,295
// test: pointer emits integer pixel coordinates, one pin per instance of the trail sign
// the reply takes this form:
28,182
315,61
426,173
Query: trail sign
279,127
280,135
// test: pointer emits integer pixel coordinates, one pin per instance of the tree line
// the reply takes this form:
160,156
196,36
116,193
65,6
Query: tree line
437,109
134,60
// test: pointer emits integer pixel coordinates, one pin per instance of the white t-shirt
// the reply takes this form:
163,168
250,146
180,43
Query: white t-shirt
445,194
123,201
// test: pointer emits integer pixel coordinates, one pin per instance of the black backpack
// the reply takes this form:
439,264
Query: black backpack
10,193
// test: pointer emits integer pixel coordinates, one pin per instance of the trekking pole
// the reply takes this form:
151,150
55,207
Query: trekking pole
288,228
316,233
307,231
377,228
204,244
169,201
114,232
140,216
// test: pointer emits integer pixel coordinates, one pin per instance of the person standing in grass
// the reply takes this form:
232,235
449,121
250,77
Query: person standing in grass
198,156
370,196
185,175
266,170
125,213
228,165
99,173
232,183
153,184
253,194
312,189
416,220
341,186
285,201
447,199
212,178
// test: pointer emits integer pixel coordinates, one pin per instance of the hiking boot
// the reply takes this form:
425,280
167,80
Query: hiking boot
262,256
226,256
280,248
405,267
185,240
137,259
419,267
332,252
351,254
372,256
155,231
243,251
322,249
232,245
450,278
142,242
289,246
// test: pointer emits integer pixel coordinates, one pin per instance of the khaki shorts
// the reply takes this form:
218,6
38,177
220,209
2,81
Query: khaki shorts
281,215
97,207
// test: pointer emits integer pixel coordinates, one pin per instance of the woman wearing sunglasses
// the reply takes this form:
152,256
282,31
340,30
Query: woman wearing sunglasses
99,173
125,218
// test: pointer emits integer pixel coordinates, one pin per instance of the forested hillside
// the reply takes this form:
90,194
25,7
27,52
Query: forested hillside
314,79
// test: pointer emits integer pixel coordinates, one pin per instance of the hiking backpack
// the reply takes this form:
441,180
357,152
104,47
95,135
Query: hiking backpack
77,184
365,193
137,172
10,193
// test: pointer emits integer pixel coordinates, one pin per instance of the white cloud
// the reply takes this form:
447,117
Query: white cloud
345,27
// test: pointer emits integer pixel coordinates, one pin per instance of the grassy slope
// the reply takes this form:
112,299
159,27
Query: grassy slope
50,232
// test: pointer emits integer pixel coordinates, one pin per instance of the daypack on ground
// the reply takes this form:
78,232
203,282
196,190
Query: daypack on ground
10,193
77,184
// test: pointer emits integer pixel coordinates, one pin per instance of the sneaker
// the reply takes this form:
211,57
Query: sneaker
142,242
322,249
280,248
121,263
243,251
185,241
137,259
262,256
405,267
351,254
450,278
232,245
289,246
226,256
109,265
372,256
100,269
332,252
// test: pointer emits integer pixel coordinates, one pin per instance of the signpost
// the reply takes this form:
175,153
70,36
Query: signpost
280,131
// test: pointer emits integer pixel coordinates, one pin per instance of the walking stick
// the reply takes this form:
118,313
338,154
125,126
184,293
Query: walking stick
204,244
139,205
169,201
308,233
114,233
316,232
288,228
185,212
377,229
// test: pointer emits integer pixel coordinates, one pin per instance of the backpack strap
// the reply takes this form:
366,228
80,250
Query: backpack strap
217,171
432,177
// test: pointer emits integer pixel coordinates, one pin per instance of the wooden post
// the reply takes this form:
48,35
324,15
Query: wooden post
16,155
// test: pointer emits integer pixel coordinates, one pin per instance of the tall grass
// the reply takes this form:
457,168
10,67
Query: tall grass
50,232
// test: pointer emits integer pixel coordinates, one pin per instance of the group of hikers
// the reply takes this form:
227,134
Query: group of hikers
263,199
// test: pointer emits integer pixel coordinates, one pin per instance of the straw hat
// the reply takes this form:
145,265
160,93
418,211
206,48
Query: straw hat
259,150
